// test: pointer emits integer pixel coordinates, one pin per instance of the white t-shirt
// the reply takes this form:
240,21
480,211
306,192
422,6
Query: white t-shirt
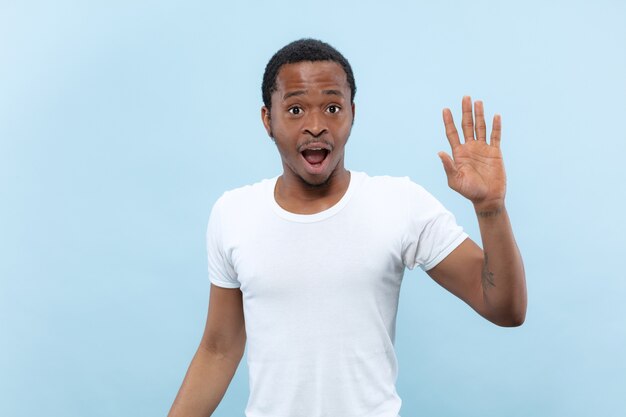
320,291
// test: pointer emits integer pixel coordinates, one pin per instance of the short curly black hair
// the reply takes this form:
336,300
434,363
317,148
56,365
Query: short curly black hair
298,51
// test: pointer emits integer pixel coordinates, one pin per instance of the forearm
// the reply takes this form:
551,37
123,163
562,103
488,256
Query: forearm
205,384
502,275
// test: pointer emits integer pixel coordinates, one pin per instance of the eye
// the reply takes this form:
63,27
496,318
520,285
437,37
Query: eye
333,109
295,110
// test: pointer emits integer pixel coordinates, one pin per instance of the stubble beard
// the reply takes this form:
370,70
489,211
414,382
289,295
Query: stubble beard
316,185
308,184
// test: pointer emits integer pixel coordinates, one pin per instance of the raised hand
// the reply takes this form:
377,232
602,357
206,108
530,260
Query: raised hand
476,168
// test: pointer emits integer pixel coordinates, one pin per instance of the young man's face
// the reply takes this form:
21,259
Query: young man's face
310,120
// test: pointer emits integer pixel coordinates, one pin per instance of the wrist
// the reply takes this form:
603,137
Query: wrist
486,209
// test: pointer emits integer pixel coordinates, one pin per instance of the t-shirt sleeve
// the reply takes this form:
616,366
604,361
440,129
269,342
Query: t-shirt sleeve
432,233
221,271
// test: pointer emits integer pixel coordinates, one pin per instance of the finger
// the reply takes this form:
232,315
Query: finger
496,131
448,165
467,122
451,133
481,127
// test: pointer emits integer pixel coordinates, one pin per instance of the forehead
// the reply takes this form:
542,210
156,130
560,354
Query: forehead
309,75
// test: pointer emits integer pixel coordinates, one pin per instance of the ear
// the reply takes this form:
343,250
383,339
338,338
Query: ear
266,119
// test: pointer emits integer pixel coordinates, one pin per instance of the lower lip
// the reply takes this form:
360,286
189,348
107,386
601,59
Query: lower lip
316,169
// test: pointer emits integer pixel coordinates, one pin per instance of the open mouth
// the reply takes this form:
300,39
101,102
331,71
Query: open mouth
315,156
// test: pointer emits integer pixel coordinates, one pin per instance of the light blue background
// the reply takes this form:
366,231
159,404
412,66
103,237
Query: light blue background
122,122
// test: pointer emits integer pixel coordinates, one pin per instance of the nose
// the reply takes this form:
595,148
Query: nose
314,124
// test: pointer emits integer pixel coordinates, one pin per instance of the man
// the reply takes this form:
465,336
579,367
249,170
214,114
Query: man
307,267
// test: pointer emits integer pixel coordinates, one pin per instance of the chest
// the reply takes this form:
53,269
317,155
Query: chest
282,259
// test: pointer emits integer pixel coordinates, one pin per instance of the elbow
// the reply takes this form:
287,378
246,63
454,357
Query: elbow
511,313
229,348
514,321
511,319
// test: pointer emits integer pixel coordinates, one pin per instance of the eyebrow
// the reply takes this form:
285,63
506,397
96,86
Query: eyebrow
333,92
302,92
294,93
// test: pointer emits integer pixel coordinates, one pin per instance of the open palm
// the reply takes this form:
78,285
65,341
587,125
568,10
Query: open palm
476,169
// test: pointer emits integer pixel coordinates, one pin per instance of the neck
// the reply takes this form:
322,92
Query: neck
296,196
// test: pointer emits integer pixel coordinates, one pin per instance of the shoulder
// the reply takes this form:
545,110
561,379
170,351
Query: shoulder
238,208
391,186
246,196
399,195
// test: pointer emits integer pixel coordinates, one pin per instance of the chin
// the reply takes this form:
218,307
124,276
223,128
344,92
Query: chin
316,182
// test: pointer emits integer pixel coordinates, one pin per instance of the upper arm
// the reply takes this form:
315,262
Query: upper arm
225,326
460,273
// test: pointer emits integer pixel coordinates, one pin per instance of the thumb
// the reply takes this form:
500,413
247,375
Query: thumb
448,164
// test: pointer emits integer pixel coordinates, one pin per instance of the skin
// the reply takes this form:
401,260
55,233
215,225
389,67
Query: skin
311,105
217,358
492,281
